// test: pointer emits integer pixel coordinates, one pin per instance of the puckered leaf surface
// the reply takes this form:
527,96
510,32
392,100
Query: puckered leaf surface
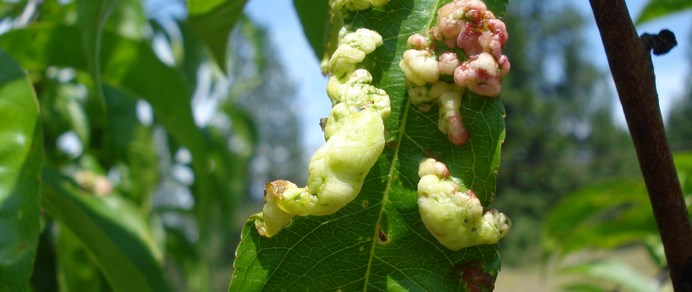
378,241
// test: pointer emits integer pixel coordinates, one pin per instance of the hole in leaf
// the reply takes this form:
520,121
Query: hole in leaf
391,144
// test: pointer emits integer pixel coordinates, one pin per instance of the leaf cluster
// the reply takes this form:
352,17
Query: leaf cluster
111,179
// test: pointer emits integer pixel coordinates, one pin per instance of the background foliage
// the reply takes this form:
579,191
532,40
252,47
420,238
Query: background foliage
139,189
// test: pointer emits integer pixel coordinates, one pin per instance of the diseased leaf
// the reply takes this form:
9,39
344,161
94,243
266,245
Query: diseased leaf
378,241
113,231
659,8
21,153
213,22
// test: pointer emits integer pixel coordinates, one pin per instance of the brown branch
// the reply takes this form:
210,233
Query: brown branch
630,64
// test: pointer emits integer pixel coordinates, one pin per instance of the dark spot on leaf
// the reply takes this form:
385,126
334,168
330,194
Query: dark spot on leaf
365,203
474,277
391,144
474,229
382,237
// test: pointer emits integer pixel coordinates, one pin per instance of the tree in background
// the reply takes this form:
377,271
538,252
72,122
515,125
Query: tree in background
266,94
560,131
615,215
679,130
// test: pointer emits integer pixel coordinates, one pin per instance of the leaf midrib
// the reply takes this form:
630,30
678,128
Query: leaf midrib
392,171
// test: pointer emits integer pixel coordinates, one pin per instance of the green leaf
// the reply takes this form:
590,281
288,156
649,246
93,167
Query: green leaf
131,143
378,241
213,22
314,16
113,231
603,215
660,8
613,274
20,168
76,268
683,164
92,16
606,215
130,66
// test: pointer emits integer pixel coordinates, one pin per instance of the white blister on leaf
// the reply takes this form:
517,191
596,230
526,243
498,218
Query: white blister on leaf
454,216
354,132
465,44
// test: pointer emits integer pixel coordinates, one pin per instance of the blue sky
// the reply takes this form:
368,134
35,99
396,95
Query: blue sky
285,31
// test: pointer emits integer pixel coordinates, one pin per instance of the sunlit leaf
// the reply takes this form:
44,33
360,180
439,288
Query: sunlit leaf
21,153
378,241
660,8
131,66
606,215
683,164
213,22
314,17
112,229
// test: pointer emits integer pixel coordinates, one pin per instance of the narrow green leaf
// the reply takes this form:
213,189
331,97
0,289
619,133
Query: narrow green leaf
314,16
194,52
92,16
660,8
614,275
574,222
378,241
132,144
76,268
605,215
20,168
683,164
112,230
196,7
213,22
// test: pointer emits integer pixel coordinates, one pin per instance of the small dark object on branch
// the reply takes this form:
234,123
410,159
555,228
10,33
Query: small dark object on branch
661,43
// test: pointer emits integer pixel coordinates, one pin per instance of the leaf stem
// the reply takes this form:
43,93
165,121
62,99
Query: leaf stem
630,64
